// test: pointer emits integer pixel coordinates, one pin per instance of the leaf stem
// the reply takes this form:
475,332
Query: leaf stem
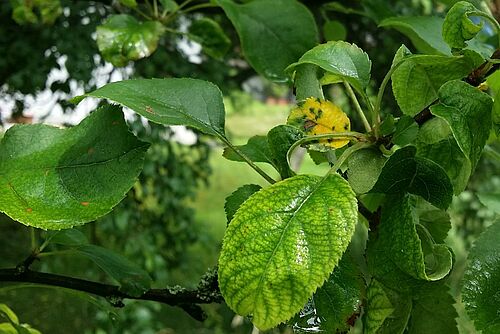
357,106
339,135
141,13
248,160
155,8
53,253
33,238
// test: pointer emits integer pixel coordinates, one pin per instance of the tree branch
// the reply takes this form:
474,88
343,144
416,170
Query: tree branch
207,291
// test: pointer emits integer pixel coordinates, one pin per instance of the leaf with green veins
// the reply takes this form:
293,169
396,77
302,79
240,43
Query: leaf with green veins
122,38
270,39
490,200
457,27
172,101
280,139
210,35
378,307
256,149
340,297
433,311
467,110
436,143
69,237
55,178
418,258
416,82
364,167
342,59
423,31
481,281
406,131
132,279
404,172
238,197
283,243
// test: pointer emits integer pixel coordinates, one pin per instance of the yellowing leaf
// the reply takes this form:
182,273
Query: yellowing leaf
317,117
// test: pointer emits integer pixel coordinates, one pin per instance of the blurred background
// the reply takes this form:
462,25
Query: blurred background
172,222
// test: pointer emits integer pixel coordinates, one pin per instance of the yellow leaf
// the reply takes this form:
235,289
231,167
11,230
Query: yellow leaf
316,117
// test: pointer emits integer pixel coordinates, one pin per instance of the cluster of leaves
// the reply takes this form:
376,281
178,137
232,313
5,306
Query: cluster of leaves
300,241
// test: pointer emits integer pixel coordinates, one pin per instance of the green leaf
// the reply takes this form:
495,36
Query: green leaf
256,149
172,101
490,200
457,27
122,38
334,31
280,139
129,3
433,310
404,172
468,112
406,131
169,5
342,59
271,149
435,221
240,195
495,115
423,31
283,243
210,35
416,256
481,282
132,279
69,237
416,82
378,307
57,178
435,142
8,314
364,167
273,34
340,297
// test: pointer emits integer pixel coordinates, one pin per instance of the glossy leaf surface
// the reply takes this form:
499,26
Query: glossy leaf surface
55,178
404,172
189,102
423,31
283,243
342,59
270,38
481,282
122,38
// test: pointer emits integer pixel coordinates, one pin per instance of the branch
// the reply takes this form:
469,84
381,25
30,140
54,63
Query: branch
207,291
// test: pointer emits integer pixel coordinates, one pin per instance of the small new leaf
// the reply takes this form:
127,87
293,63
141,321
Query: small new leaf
458,27
122,38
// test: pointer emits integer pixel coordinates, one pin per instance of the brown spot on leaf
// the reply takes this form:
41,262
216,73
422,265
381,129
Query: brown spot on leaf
114,123
85,203
149,109
91,150
29,210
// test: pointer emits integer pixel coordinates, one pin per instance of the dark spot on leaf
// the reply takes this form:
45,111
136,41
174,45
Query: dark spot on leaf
318,100
329,140
320,112
333,128
115,123
346,126
90,150
309,124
